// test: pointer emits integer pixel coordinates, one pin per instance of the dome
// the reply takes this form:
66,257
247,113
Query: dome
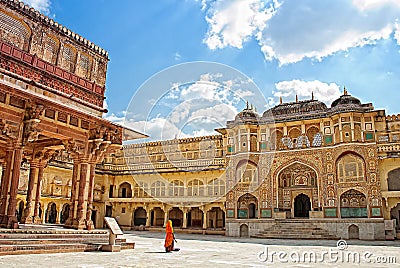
346,100
299,107
247,115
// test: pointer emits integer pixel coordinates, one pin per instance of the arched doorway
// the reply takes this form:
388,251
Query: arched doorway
139,217
51,213
64,213
353,204
157,217
247,206
176,216
302,206
216,218
125,190
354,232
294,179
195,218
395,215
244,230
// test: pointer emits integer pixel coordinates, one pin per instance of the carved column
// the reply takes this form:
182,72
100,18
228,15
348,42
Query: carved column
36,214
72,208
89,222
12,221
28,211
84,173
5,183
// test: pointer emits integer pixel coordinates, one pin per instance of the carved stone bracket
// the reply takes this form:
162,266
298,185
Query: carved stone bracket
8,130
31,120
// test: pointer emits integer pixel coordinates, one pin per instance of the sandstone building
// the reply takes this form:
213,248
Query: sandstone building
337,168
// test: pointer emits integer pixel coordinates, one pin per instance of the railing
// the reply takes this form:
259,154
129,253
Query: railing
188,164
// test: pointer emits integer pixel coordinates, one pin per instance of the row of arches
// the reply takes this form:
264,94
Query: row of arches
51,214
194,217
215,187
353,204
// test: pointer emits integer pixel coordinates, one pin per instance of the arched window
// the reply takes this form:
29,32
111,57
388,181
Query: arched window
158,188
195,188
14,31
140,189
84,66
50,49
125,190
314,136
394,180
216,187
350,168
176,188
68,58
276,140
246,174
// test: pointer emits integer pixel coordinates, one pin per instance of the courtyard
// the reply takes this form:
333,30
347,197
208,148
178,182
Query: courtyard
221,251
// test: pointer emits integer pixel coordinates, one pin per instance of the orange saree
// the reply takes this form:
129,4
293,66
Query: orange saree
169,237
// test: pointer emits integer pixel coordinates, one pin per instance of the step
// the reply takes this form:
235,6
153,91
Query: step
46,248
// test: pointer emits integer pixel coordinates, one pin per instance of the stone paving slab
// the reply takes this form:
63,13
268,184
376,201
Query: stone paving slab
215,251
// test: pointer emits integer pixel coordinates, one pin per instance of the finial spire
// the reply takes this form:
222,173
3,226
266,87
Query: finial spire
312,95
247,105
280,100
297,98
345,91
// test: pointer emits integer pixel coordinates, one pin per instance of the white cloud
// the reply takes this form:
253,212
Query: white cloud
304,89
119,119
397,33
293,30
41,5
157,129
371,4
233,22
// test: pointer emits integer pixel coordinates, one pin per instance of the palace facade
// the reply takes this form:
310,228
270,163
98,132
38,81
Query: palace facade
337,167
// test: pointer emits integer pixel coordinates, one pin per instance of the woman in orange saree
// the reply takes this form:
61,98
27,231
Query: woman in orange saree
169,237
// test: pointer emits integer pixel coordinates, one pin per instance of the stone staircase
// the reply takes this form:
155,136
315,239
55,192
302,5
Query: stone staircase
42,240
295,229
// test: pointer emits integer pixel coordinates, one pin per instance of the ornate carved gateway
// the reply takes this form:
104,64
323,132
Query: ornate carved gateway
52,84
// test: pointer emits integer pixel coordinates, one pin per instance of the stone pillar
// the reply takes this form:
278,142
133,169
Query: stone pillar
185,211
5,183
82,197
36,216
204,219
148,217
166,217
89,222
58,214
72,208
12,221
27,217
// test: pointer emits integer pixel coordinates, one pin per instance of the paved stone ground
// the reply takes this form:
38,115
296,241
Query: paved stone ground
219,251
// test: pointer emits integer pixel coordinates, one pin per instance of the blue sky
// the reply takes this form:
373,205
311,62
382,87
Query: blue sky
286,47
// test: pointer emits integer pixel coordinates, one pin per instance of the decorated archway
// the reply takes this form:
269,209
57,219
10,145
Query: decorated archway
353,204
297,189
247,206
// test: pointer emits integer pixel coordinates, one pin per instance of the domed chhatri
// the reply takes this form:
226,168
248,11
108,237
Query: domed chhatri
248,115
297,107
346,100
